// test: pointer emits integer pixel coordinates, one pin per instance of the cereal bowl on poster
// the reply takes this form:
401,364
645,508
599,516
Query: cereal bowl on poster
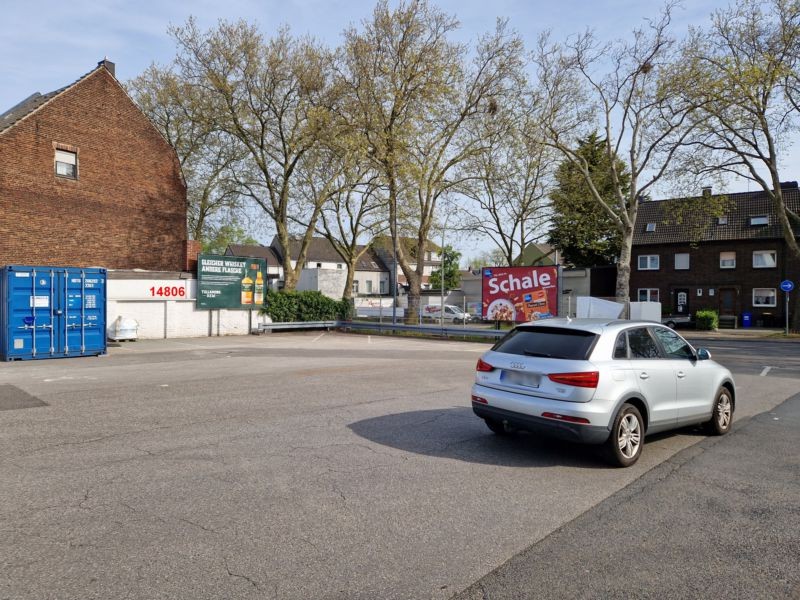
501,310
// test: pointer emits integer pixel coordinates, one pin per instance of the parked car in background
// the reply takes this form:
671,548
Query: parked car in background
676,321
608,382
452,313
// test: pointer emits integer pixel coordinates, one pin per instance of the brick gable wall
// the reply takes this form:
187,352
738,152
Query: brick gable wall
126,210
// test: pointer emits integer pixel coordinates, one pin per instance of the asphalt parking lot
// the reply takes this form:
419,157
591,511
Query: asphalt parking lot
292,466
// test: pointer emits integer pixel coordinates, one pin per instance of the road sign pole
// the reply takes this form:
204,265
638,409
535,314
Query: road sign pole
787,286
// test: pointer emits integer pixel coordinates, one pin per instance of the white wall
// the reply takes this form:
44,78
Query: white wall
330,282
173,314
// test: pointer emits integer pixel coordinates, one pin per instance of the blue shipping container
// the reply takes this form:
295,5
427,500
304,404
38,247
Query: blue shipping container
52,312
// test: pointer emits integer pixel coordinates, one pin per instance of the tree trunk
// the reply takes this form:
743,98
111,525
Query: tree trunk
414,288
348,282
624,270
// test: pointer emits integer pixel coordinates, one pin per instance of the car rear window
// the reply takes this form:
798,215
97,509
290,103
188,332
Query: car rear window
549,342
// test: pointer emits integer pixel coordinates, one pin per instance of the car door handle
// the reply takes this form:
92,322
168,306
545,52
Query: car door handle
681,374
644,376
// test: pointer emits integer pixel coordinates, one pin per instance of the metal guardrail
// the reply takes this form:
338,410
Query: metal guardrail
262,327
443,331
491,334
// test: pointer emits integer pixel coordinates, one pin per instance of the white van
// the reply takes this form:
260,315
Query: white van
452,313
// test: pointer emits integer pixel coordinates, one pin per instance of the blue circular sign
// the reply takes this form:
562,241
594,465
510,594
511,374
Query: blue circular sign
787,286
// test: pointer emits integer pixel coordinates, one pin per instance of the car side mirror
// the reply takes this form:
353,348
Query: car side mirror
703,354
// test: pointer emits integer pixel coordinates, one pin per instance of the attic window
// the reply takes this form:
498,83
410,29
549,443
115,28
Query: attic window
759,220
723,220
651,227
67,164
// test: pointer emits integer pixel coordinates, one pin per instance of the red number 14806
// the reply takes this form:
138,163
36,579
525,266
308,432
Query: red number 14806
167,291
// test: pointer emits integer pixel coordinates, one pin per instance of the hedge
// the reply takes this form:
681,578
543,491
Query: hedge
289,307
707,320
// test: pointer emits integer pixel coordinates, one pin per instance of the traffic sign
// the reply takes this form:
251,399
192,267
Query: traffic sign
787,286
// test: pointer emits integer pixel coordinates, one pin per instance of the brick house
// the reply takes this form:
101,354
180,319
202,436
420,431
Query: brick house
730,258
87,180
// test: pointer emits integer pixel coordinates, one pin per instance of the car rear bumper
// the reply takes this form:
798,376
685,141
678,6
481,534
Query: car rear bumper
572,432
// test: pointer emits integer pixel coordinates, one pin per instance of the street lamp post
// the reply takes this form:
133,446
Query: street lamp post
441,274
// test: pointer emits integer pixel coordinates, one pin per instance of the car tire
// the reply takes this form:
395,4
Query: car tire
722,415
497,427
670,324
624,445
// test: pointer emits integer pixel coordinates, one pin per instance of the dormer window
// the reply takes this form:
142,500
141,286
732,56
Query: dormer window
723,220
759,220
650,227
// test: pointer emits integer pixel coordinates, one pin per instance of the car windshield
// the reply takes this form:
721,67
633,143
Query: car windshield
550,342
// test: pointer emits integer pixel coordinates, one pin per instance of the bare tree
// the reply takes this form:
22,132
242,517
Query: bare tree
353,206
275,98
415,93
508,181
205,154
628,86
744,71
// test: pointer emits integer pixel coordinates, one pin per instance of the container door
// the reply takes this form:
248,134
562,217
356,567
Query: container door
32,299
81,322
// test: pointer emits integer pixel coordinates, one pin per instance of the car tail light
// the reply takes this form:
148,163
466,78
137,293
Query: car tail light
584,379
568,418
484,366
480,400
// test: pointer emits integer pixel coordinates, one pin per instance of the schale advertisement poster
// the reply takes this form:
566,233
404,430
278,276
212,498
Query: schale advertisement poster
519,294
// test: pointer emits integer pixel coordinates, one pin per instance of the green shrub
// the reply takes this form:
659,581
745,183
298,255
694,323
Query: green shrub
707,320
289,307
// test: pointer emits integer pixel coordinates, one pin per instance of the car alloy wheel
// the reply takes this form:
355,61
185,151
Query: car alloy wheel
629,436
722,417
625,443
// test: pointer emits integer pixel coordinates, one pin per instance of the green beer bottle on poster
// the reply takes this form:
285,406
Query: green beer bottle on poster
258,296
247,288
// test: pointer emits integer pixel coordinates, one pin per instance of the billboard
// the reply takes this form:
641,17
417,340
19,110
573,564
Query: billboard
234,282
519,294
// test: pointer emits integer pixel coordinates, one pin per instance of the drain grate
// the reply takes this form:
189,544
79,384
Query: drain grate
13,398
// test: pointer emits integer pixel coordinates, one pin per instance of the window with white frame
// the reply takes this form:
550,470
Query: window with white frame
648,295
339,265
682,261
369,286
383,287
727,260
764,297
355,286
765,259
648,262
67,164
651,227
722,220
759,220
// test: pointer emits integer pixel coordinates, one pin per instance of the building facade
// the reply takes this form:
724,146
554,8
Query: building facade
87,180
725,253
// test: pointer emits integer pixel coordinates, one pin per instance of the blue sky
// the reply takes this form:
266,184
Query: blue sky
46,44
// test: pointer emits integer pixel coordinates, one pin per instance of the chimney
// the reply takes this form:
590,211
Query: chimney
110,66
707,192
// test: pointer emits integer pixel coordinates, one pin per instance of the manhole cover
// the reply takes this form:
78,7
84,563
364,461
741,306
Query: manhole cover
13,398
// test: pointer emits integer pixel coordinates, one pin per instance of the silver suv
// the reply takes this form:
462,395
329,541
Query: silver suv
601,382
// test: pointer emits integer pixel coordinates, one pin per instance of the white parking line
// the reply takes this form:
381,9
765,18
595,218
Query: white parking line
765,371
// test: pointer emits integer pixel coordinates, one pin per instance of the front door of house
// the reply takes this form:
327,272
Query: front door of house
727,301
682,301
